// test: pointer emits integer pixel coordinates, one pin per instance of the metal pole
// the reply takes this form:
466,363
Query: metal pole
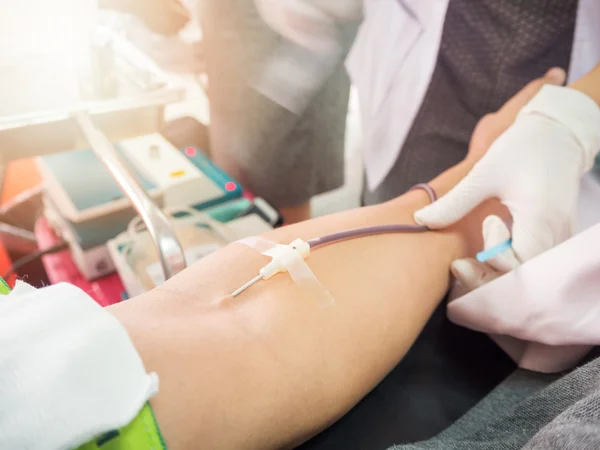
168,247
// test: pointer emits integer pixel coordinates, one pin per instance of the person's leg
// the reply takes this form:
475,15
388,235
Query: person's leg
277,155
295,214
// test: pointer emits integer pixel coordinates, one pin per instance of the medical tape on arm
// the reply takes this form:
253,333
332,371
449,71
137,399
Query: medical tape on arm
295,265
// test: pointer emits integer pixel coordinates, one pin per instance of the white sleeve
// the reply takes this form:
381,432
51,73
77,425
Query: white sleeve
314,46
68,370
312,24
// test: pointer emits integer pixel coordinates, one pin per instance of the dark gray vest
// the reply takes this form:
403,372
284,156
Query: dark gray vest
490,49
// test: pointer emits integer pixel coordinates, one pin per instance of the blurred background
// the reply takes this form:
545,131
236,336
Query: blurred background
63,57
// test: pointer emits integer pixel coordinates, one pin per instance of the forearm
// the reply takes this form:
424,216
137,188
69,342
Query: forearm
271,368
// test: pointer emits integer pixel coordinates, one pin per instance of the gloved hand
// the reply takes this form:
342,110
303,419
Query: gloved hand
534,168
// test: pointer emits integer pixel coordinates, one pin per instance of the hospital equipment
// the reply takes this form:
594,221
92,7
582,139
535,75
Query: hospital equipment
242,207
283,256
31,257
125,100
16,239
61,268
164,239
88,119
199,233
289,258
185,177
89,208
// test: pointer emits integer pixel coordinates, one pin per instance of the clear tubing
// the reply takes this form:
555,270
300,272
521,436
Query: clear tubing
380,229
367,231
301,273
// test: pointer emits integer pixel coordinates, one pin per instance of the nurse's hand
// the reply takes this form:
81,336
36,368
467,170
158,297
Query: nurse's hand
470,272
534,168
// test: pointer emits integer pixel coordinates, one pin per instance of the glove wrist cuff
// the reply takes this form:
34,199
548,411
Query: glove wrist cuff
572,109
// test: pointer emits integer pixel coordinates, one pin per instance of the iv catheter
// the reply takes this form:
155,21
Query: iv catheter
253,281
304,248
275,266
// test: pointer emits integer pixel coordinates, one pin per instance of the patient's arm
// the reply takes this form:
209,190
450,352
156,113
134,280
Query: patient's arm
271,368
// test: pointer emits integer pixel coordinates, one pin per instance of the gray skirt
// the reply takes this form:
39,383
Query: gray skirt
280,156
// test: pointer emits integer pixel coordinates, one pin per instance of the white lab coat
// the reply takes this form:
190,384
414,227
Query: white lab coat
544,314
393,58
392,61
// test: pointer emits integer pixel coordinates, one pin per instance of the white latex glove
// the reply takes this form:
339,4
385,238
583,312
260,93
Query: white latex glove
534,168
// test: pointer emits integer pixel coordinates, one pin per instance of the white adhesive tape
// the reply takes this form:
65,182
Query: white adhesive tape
295,265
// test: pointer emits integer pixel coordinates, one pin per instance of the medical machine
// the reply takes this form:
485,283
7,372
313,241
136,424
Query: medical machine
200,234
72,87
87,207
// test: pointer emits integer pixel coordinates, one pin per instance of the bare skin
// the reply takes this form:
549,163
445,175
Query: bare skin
296,214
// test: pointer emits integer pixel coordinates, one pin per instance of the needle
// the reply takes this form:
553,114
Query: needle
494,251
247,285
